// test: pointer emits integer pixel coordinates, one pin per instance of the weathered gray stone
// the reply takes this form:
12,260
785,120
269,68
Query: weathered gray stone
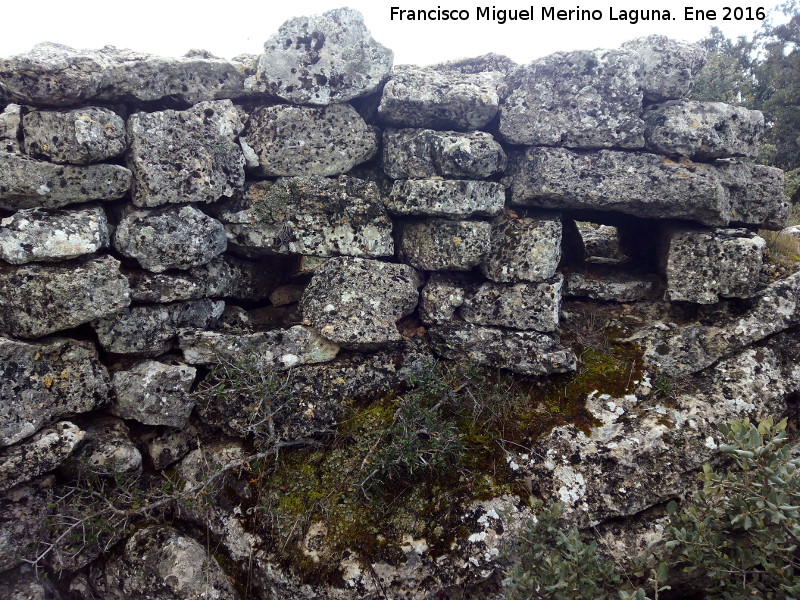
79,136
160,562
28,183
455,199
322,59
52,235
223,277
601,242
285,348
423,97
107,449
310,215
702,265
38,455
583,99
518,305
36,299
24,513
170,237
756,193
10,121
425,153
286,294
186,156
639,184
668,66
57,75
703,130
523,248
356,303
500,68
611,285
46,381
304,140
153,393
168,446
440,298
525,352
150,330
444,245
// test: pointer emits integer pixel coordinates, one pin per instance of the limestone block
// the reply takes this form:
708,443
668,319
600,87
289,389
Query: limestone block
526,306
10,121
523,248
668,66
41,453
756,193
153,393
444,245
611,285
107,449
440,298
455,199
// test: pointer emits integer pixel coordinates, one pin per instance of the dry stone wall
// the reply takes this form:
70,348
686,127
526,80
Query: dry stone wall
347,221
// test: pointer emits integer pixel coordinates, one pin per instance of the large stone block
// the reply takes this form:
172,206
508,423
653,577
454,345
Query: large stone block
440,298
304,140
36,299
639,184
444,245
756,193
10,121
153,393
533,306
583,99
456,199
356,303
523,248
611,285
38,455
668,66
186,156
311,216
423,97
322,59
425,153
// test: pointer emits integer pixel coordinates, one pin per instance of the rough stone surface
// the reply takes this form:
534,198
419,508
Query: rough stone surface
668,66
445,198
52,235
322,59
153,393
36,299
46,381
702,265
583,99
170,237
57,75
525,352
440,298
311,216
160,562
107,449
601,242
756,193
186,156
518,305
168,446
703,130
28,183
10,121
38,455
423,97
356,303
425,153
523,248
23,521
286,294
639,184
26,584
611,285
150,330
304,140
80,136
444,245
284,348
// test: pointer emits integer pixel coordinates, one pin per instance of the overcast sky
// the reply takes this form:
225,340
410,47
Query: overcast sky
171,27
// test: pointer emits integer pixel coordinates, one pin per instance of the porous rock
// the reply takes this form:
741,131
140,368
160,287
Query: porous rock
24,512
440,298
37,235
518,305
523,248
756,193
165,447
28,183
286,294
305,140
10,120
169,237
153,393
185,156
38,455
583,99
79,136
107,449
444,245
611,285
423,97
525,352
601,242
322,59
455,199
425,153
39,299
43,382
311,216
639,184
160,562
356,303
703,130
702,265
668,66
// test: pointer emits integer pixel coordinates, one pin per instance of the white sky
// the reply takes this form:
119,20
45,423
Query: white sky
171,27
